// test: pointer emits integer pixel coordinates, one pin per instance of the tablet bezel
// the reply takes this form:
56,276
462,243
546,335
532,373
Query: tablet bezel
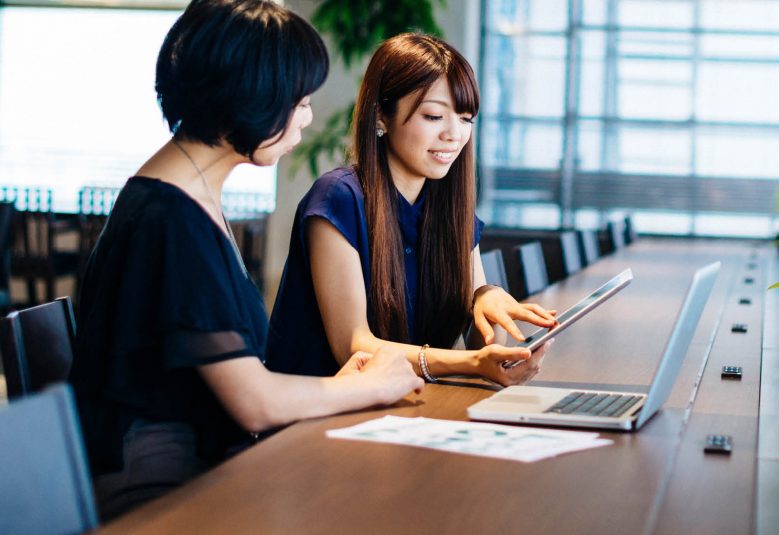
537,338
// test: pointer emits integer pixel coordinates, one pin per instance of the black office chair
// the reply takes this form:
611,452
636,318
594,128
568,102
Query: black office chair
6,239
612,238
94,205
572,258
37,346
494,269
630,230
588,246
533,267
254,235
248,214
40,251
45,486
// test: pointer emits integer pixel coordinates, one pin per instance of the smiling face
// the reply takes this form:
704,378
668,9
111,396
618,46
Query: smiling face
269,151
424,143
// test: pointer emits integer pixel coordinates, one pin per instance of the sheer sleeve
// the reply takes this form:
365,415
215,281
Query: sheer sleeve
187,348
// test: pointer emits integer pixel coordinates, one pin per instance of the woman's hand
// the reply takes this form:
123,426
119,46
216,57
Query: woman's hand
493,305
388,372
491,358
355,364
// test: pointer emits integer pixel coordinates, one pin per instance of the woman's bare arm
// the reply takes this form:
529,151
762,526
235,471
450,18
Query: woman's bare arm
340,292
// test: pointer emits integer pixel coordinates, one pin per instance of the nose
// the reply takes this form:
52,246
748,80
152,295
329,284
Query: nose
307,117
452,130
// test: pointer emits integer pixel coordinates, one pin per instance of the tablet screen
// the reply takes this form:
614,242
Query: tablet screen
580,309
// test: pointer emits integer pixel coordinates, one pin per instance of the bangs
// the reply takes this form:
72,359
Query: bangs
421,87
462,84
459,76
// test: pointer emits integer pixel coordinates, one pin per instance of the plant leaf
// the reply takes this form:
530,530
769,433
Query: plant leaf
358,26
331,141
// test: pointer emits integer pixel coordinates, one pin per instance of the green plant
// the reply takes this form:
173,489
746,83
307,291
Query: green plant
331,142
774,285
355,28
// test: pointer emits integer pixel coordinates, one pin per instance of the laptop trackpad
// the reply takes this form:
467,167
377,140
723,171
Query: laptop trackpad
522,399
524,402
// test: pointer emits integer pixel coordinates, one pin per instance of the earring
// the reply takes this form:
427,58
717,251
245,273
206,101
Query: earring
380,132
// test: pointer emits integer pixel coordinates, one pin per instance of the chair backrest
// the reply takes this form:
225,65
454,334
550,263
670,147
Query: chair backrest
97,200
45,486
494,269
32,223
588,246
533,267
630,230
253,235
37,346
94,205
40,240
6,235
613,237
6,220
572,258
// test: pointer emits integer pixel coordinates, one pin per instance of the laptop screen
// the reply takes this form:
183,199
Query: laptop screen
679,341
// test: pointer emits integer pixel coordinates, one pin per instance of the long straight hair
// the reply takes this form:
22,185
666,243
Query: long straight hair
403,65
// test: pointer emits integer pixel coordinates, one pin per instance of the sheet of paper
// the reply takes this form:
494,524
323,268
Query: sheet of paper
472,438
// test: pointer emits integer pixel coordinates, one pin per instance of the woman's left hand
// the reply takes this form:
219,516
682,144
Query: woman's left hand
355,364
493,305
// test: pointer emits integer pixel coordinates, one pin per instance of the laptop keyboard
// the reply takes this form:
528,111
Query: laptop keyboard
592,404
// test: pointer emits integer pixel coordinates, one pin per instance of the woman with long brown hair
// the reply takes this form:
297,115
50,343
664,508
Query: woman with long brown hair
387,250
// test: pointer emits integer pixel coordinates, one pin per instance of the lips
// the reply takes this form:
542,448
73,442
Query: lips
443,156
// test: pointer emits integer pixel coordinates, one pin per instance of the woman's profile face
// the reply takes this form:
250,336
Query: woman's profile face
428,143
269,151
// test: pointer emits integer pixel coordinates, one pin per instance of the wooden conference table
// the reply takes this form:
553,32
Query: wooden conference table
655,481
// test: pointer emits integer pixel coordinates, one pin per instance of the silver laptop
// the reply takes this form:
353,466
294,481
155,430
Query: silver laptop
604,409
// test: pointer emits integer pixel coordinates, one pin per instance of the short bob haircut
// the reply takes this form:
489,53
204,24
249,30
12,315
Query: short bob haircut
234,70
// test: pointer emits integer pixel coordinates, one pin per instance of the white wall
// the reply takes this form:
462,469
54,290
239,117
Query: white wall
460,23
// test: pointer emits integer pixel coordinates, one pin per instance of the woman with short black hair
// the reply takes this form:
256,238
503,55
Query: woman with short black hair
235,72
169,371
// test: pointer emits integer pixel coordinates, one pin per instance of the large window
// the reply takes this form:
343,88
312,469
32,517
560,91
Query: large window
77,100
667,109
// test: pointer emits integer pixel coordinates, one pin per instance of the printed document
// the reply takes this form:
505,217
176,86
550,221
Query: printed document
526,444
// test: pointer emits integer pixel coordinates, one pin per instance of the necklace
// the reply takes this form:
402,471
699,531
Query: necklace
217,207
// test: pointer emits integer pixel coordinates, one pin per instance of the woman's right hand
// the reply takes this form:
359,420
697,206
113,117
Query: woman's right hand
388,372
490,361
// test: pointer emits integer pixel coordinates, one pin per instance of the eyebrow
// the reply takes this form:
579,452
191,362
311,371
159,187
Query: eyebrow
441,102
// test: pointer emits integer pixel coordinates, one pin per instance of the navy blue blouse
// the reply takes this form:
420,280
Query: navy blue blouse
297,342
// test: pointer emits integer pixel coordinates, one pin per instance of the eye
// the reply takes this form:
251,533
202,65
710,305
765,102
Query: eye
432,117
471,119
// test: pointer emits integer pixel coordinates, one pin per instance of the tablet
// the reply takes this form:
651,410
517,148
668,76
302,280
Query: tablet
579,310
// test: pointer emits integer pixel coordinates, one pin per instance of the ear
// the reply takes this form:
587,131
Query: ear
381,123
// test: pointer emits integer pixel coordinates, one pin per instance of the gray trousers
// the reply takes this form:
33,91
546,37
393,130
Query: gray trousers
158,457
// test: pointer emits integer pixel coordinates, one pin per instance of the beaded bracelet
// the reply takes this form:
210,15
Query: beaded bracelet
423,365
